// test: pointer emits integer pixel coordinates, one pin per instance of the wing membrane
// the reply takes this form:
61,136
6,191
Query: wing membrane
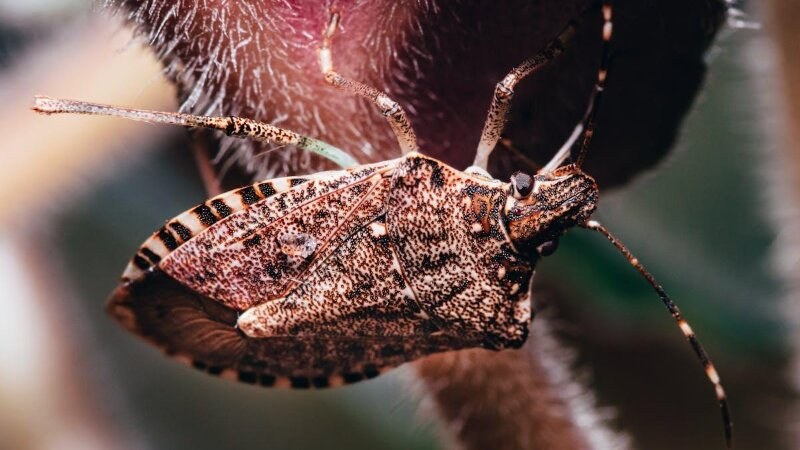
223,207
262,253
202,332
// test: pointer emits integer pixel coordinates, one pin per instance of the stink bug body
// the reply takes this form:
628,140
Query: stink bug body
329,278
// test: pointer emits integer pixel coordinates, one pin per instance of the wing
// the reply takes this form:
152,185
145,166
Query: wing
297,288
357,292
252,244
194,221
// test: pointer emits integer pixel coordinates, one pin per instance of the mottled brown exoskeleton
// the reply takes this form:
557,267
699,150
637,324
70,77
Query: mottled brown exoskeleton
330,278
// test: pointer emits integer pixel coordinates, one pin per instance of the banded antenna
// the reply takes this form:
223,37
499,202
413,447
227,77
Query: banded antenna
585,129
240,127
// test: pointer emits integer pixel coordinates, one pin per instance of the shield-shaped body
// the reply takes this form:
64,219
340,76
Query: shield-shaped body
329,279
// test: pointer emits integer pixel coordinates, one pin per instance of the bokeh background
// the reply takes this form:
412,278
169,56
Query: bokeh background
79,195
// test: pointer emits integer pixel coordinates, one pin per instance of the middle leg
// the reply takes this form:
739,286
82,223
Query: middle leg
393,112
504,91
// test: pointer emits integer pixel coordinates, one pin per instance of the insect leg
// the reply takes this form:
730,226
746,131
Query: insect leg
232,126
392,110
504,91
269,319
711,372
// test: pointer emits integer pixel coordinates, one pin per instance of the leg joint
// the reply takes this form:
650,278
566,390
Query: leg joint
333,78
388,106
231,127
502,92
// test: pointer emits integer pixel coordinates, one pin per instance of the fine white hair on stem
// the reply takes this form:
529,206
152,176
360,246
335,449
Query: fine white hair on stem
530,398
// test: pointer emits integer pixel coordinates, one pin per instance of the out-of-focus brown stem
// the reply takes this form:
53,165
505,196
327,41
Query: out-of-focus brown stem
523,399
785,17
205,166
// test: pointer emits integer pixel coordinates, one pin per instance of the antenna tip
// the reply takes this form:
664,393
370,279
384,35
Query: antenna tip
728,423
45,105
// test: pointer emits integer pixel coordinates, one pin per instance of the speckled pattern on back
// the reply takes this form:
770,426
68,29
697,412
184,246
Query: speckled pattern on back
356,292
240,262
447,230
338,277
230,206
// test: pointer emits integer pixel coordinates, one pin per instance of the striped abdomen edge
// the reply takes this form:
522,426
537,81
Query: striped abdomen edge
192,222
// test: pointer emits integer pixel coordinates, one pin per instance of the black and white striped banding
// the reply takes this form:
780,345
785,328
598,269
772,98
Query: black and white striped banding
266,189
248,195
167,238
140,263
194,221
687,331
180,229
204,214
150,255
293,382
222,209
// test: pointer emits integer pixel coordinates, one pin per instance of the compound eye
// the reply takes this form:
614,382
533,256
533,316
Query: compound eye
521,185
548,248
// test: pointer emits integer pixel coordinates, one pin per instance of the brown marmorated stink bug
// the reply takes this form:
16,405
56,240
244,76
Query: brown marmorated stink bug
332,278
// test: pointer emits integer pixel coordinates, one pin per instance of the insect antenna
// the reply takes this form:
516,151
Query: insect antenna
600,85
711,372
585,128
232,126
